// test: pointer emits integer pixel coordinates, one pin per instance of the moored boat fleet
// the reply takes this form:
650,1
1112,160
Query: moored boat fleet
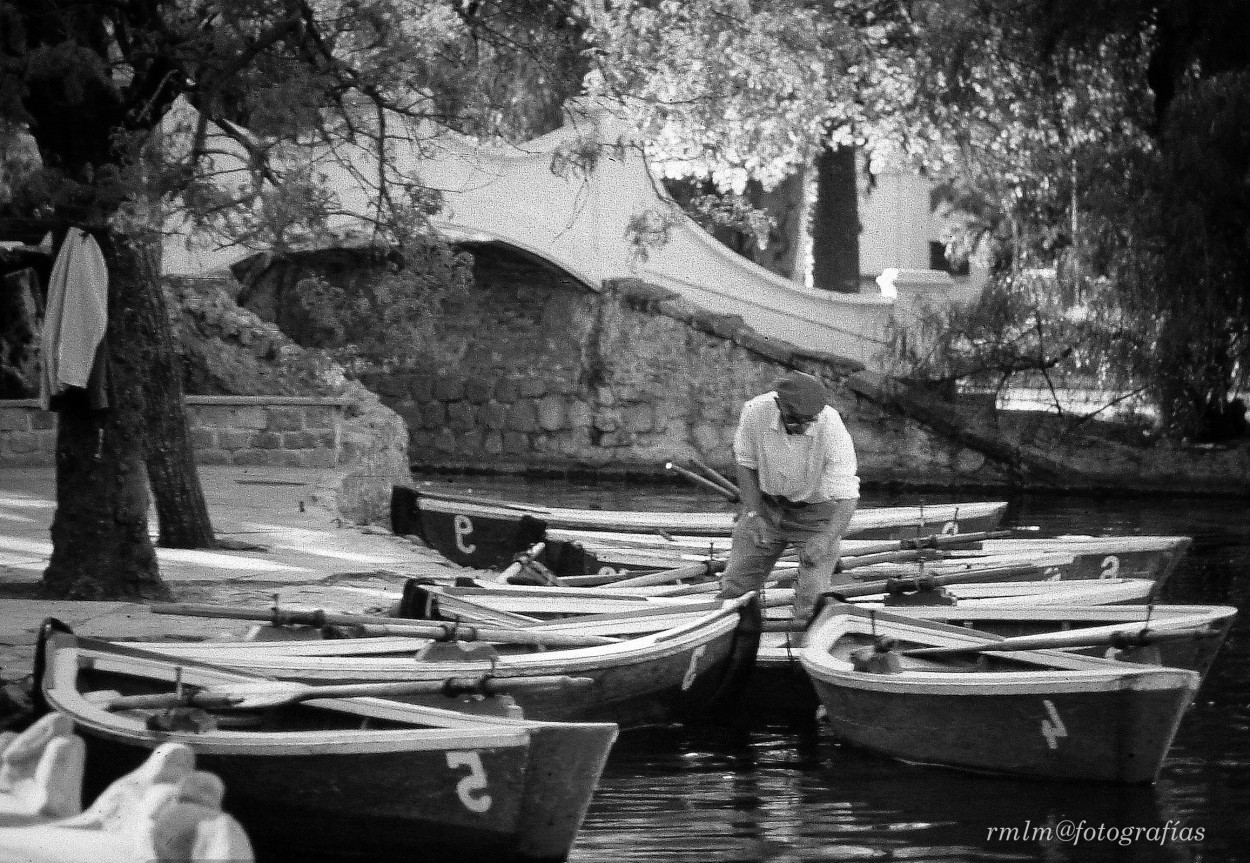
470,718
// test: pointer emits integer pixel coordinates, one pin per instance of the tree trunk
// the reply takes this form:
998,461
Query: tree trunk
181,511
100,543
835,222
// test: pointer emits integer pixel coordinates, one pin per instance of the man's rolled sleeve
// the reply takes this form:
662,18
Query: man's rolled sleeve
841,479
744,440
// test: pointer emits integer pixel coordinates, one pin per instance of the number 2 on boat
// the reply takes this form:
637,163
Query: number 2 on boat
693,670
1110,567
470,788
463,527
1052,727
951,528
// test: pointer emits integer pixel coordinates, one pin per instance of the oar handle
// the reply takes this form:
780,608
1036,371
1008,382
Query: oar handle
997,573
703,481
522,560
1120,639
715,477
710,567
163,700
452,686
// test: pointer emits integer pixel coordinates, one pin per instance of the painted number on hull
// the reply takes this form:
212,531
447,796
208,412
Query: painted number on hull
615,573
463,527
1110,567
1052,727
472,788
950,528
693,670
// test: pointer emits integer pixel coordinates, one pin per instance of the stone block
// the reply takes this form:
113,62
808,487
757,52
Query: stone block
478,390
295,457
515,443
507,391
492,442
607,419
22,442
286,419
522,417
433,415
15,419
445,441
707,437
267,440
213,456
448,389
233,439
492,415
324,438
40,420
421,388
968,461
299,440
391,386
203,438
409,413
45,440
552,415
639,418
321,458
252,457
580,415
532,388
320,417
460,416
251,417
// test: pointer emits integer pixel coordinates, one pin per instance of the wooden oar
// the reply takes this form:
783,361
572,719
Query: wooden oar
390,625
882,552
521,561
715,477
994,573
267,693
710,567
1095,636
701,481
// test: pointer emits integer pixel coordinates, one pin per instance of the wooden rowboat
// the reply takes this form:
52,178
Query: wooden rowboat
677,673
338,778
616,555
485,534
1038,713
776,688
162,811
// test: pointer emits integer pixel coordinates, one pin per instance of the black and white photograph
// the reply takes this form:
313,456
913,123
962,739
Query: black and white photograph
624,431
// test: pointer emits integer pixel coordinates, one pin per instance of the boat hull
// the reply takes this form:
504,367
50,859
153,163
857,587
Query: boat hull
1097,736
652,680
488,534
347,779
1040,714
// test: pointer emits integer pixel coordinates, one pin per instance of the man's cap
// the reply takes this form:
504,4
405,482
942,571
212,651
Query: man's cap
801,393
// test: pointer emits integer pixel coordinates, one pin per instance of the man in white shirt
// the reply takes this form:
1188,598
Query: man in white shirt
799,484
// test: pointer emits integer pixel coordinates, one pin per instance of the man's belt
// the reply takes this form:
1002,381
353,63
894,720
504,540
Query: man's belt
786,503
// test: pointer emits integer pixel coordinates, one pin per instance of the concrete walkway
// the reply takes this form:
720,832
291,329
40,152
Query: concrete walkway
298,550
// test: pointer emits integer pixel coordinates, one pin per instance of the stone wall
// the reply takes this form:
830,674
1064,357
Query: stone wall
553,376
279,431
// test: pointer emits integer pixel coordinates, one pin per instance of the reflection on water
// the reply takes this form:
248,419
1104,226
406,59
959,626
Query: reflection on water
689,795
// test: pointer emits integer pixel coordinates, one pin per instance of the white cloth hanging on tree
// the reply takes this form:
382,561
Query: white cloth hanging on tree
76,316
